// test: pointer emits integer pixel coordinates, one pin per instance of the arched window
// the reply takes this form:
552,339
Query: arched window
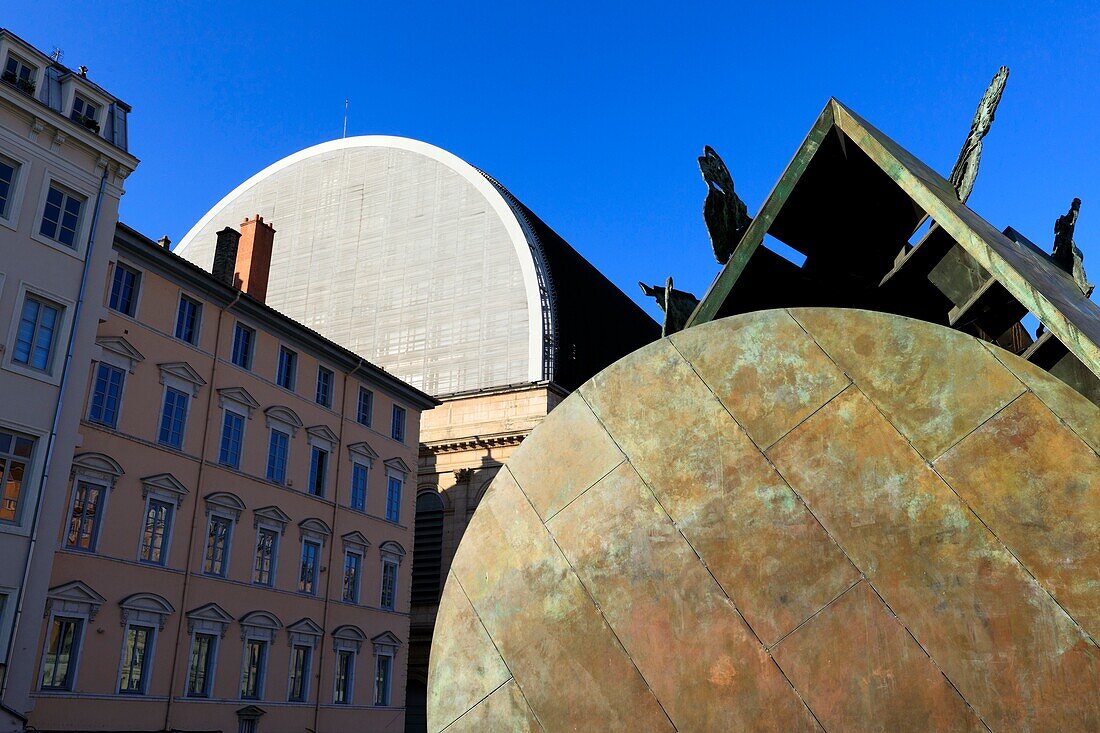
427,549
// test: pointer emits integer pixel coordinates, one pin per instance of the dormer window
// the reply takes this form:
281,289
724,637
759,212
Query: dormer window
19,74
85,113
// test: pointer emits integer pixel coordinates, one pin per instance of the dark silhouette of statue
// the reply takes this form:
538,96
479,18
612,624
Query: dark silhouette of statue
723,210
678,305
1066,254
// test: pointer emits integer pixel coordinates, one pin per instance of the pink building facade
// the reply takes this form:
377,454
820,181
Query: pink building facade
236,553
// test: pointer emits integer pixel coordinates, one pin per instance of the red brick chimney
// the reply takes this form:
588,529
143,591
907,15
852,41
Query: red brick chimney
254,257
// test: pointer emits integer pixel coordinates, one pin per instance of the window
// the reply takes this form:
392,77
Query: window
232,435
397,424
124,290
298,687
393,499
267,547
59,664
38,327
8,169
173,417
345,676
353,564
427,549
20,73
218,536
61,216
255,666
243,340
135,660
106,395
324,386
318,470
85,112
359,474
154,535
382,672
15,454
307,577
85,515
365,409
277,449
188,316
204,649
287,373
389,584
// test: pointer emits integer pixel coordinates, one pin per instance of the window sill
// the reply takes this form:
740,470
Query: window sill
77,253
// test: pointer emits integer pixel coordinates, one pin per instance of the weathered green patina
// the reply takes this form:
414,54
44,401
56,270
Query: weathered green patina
1027,275
788,520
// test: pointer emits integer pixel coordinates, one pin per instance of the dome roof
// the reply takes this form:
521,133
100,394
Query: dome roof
403,253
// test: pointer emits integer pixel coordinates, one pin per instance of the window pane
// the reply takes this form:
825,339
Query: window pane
307,577
202,661
397,431
300,659
352,563
59,663
318,471
232,433
7,180
255,653
359,487
389,585
124,286
345,670
84,522
158,520
187,320
106,395
172,418
242,346
15,453
266,541
366,406
35,338
217,545
393,499
324,386
135,660
382,680
277,449
288,369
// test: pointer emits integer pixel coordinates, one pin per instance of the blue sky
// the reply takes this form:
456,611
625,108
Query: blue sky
593,114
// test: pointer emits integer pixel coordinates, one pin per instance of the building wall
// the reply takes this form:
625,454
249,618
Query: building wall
46,148
114,570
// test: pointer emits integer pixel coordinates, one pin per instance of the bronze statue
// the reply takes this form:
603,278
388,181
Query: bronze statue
723,210
966,167
677,305
1066,254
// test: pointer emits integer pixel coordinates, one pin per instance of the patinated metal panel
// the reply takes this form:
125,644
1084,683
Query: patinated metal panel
857,561
887,357
994,631
861,671
516,578
1040,500
685,444
625,548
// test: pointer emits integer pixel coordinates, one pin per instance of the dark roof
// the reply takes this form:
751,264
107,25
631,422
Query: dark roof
594,323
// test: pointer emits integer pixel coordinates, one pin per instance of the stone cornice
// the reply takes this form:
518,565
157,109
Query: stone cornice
473,442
